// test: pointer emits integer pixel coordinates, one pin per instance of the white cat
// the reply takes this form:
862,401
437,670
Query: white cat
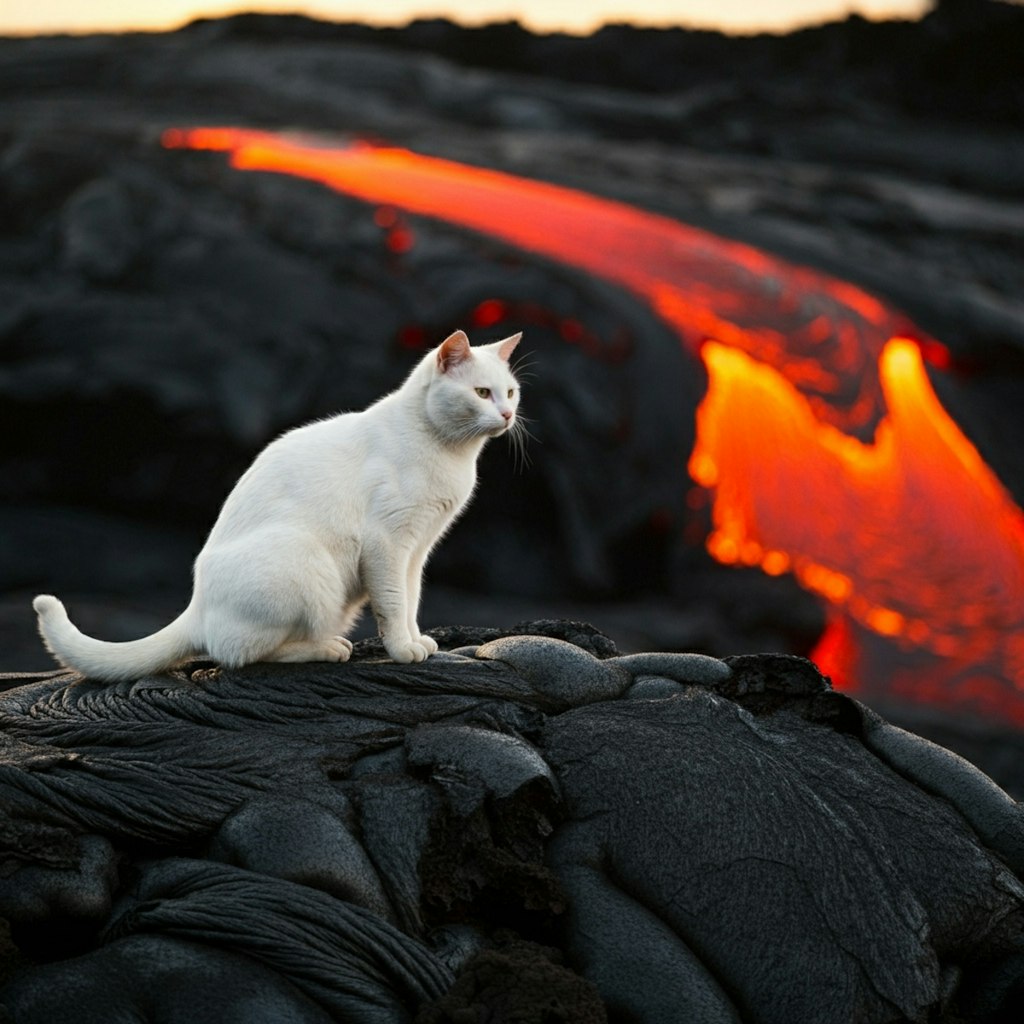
330,515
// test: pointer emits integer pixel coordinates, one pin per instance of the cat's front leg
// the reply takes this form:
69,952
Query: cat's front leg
414,585
385,571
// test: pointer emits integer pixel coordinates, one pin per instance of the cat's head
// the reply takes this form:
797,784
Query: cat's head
473,392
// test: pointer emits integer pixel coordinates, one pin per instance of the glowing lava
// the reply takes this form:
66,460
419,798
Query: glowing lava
825,447
911,535
822,333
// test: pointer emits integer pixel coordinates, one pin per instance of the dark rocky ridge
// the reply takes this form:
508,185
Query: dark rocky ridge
962,56
527,828
162,316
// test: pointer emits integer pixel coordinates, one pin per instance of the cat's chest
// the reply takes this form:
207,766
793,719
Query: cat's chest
421,498
439,508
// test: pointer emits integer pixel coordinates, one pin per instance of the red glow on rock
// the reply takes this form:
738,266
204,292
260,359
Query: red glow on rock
935,354
823,447
489,313
413,337
399,239
571,330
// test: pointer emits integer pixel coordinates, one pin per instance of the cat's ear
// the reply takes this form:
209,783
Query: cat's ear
453,351
508,346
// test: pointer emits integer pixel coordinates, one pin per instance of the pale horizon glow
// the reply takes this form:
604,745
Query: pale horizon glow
42,17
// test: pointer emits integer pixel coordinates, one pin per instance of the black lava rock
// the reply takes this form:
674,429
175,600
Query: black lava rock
474,838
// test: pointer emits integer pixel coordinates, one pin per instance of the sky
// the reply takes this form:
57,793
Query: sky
46,16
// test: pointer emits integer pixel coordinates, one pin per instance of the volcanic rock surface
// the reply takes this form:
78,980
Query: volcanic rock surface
525,827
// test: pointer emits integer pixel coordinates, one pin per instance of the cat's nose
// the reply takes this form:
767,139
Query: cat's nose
507,413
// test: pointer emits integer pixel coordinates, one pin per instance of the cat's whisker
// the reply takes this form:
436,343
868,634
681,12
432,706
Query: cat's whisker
518,435
523,369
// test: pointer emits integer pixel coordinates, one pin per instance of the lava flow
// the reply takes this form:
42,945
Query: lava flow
826,450
823,334
912,535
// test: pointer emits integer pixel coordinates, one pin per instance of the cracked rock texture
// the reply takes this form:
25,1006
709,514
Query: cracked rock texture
467,839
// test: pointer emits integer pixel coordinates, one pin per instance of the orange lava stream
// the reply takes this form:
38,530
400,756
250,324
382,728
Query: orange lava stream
909,536
912,535
824,334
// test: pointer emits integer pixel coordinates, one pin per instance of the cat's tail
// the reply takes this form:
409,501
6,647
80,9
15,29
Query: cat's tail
111,662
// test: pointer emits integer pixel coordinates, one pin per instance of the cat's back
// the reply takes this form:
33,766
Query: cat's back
300,454
297,475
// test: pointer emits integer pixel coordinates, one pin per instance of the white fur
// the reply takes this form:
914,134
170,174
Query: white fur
330,515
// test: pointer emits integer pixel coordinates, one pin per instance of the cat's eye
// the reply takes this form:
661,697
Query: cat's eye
511,392
484,392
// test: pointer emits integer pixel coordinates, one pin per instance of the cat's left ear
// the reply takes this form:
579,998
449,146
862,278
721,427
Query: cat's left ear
508,346
453,351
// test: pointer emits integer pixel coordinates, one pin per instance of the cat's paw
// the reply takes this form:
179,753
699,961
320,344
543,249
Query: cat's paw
338,648
429,643
334,648
406,651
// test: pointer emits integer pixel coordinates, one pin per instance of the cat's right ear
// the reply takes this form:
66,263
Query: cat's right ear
453,351
508,346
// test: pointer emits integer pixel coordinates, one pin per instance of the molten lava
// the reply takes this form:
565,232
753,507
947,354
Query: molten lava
912,535
823,334
825,448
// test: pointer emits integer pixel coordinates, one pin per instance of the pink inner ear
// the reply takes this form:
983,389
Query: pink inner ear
454,350
508,346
